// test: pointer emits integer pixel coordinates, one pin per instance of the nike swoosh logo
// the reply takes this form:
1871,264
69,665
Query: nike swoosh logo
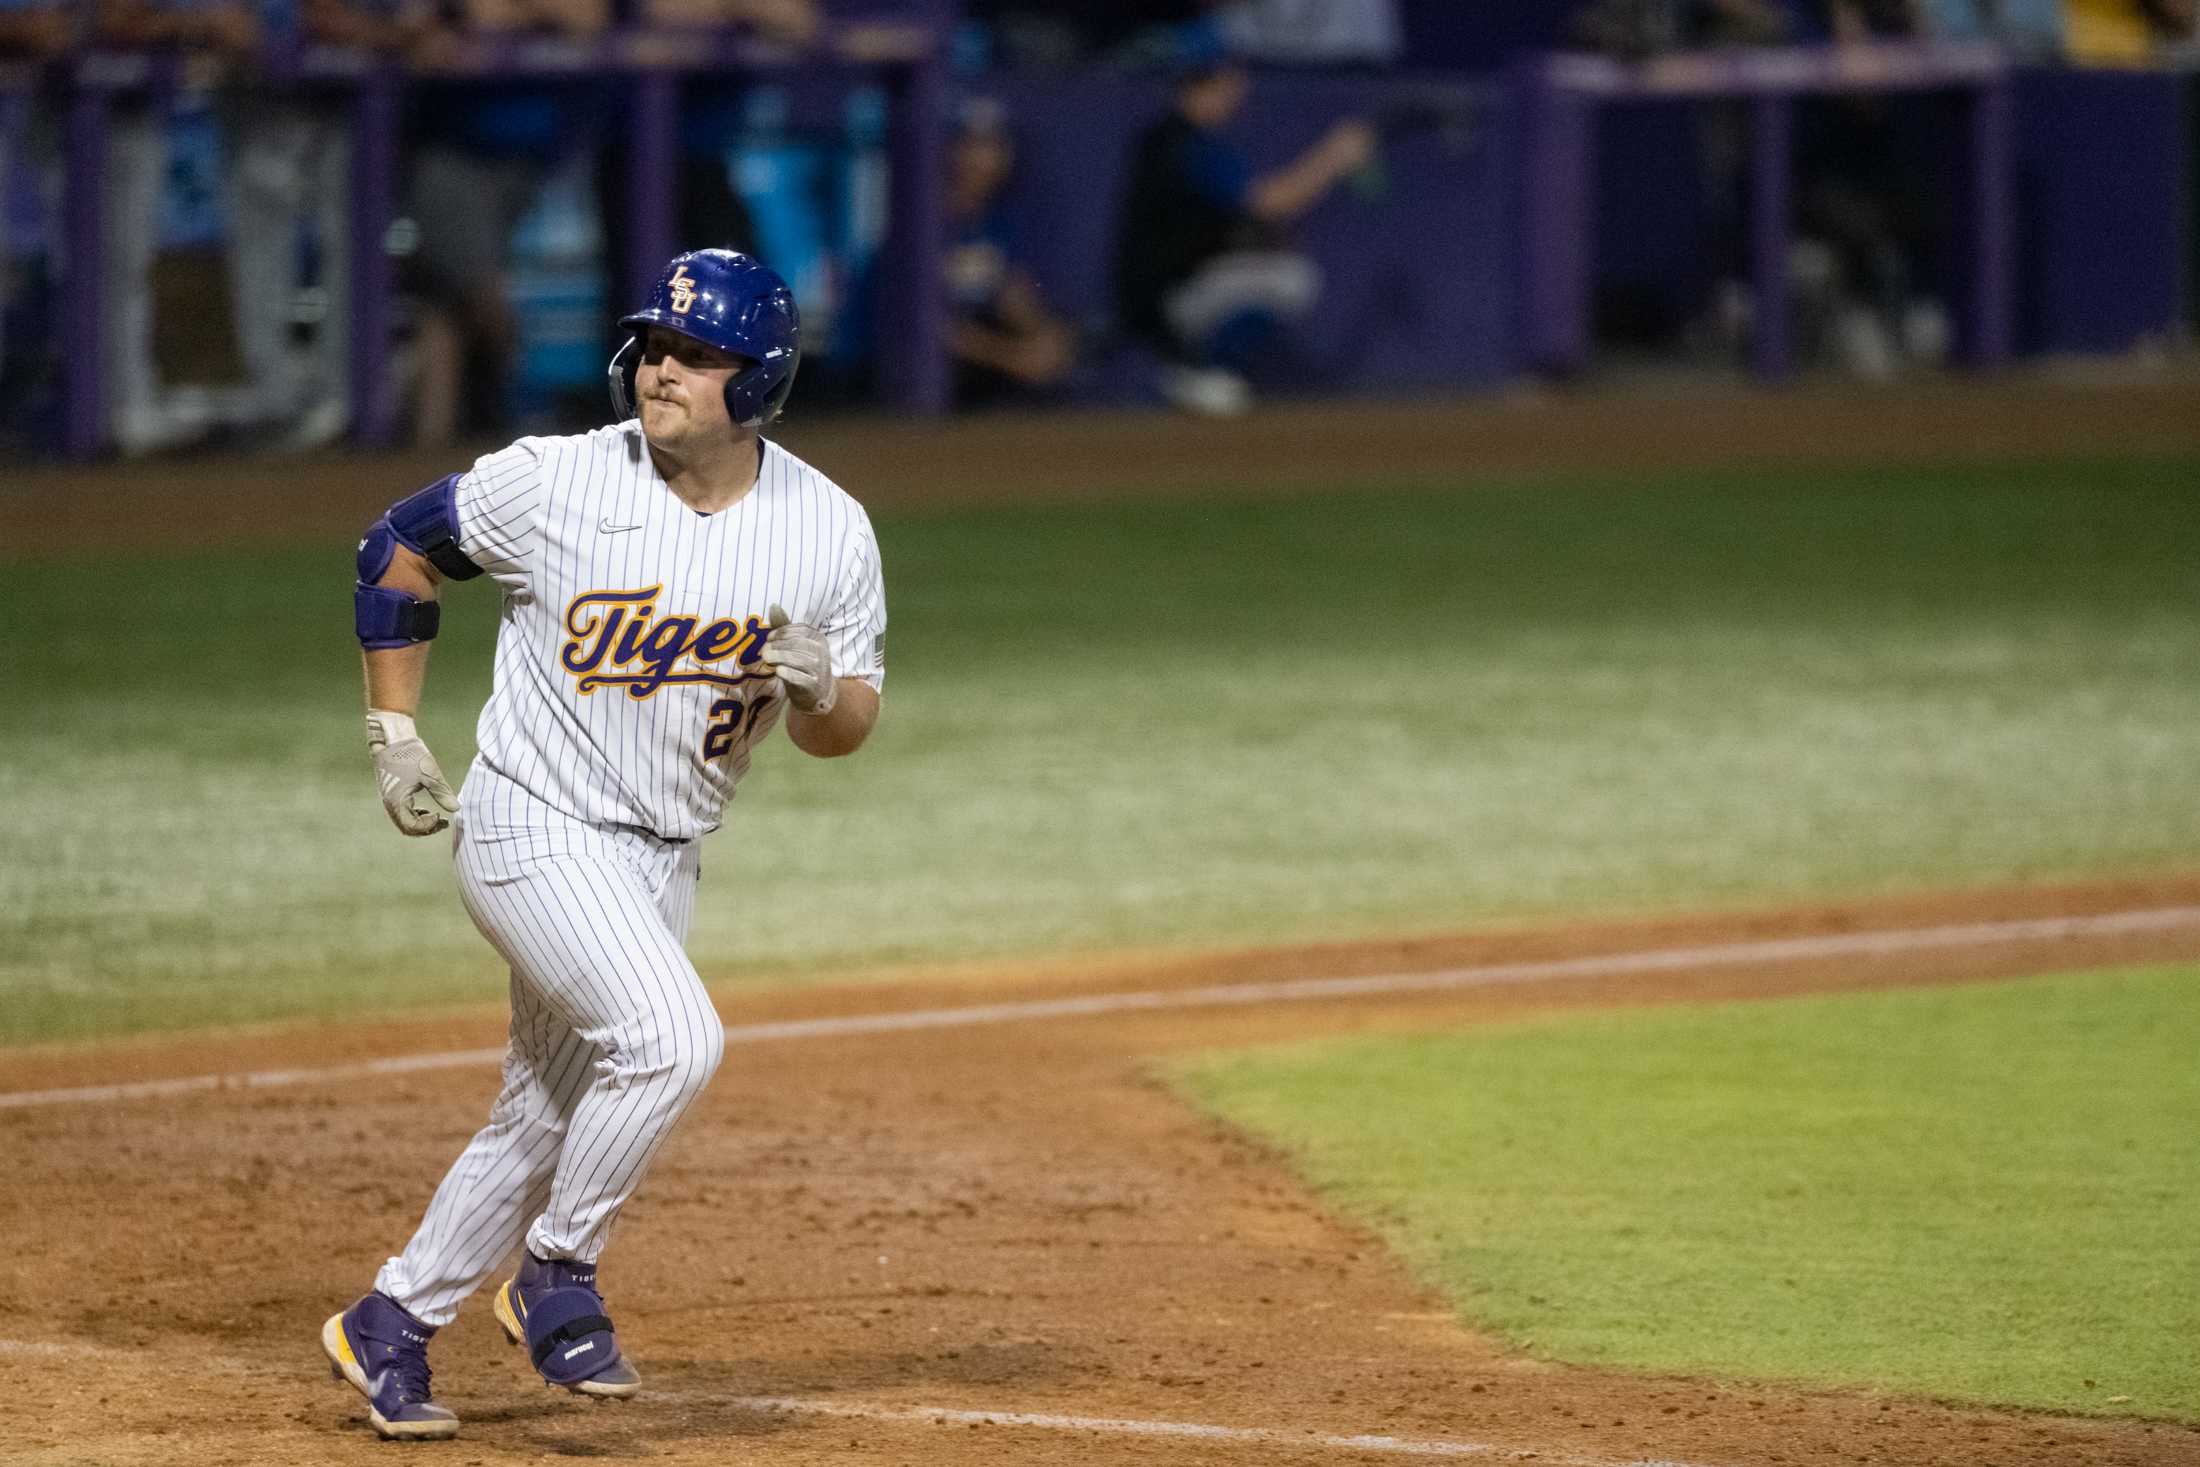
610,529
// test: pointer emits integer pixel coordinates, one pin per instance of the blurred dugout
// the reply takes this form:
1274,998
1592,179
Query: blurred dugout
223,189
223,300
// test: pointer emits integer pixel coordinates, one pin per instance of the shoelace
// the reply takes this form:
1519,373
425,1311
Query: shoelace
411,1367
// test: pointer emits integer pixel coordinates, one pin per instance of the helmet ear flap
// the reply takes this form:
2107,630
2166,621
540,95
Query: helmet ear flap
744,398
754,398
739,405
624,362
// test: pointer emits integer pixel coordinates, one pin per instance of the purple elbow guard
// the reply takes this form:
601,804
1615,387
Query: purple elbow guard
388,618
426,524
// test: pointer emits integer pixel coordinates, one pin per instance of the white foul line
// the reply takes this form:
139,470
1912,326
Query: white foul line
1395,1446
1489,975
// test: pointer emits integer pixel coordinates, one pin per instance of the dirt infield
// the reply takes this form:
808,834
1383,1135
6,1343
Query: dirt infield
879,1228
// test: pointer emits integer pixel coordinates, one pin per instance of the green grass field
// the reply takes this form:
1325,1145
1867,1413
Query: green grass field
1171,724
1980,1193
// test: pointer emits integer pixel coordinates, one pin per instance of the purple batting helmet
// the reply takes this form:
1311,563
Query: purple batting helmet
724,299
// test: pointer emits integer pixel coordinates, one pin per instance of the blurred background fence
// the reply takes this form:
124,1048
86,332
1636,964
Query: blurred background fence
282,223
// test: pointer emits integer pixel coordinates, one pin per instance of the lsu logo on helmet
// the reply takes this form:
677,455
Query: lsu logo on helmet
726,300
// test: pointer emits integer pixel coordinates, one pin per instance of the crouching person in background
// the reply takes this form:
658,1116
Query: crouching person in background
1204,271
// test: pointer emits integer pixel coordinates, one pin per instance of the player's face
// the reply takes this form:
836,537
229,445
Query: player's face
682,386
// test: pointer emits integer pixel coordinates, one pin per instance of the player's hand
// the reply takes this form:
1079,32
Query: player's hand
419,799
797,652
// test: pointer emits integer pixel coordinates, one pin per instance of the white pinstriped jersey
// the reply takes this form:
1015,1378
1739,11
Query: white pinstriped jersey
628,688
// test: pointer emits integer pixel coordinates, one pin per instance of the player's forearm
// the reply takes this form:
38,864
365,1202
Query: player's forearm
840,730
395,675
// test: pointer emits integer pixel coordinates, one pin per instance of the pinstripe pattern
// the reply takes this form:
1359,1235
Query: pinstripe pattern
612,1038
576,838
534,516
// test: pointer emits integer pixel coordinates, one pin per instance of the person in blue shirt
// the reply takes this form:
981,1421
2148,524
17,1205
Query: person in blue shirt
1005,340
1204,271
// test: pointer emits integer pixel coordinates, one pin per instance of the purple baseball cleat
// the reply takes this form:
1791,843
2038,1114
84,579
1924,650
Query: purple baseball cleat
552,1307
383,1351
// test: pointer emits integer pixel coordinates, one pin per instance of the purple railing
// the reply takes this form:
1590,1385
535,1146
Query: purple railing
907,58
1537,190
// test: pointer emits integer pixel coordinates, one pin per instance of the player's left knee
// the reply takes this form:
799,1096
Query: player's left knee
711,1052
699,1058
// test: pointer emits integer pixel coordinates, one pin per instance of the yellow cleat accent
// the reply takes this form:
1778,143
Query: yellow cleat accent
510,1312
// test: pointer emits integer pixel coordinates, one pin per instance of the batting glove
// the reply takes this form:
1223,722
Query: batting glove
414,791
798,653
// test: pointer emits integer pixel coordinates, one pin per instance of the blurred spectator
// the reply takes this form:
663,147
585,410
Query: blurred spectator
1063,33
30,30
483,151
382,27
1202,267
1312,32
144,413
793,22
1862,210
1861,199
2034,27
1635,28
709,211
1004,339
207,195
2125,32
1853,21
293,166
35,30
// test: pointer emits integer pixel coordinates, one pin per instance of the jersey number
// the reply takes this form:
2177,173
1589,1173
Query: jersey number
730,718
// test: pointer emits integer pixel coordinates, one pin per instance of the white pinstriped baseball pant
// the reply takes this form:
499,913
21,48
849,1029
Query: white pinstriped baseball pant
613,1037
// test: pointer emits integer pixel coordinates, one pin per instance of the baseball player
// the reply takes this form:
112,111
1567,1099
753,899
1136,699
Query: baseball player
674,585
